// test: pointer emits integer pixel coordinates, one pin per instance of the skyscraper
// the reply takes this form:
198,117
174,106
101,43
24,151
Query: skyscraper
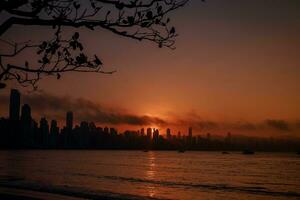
44,132
54,131
149,133
155,135
26,113
190,132
14,106
26,123
179,135
69,121
142,131
169,136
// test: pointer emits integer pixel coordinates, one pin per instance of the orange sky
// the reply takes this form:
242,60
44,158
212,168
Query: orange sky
235,61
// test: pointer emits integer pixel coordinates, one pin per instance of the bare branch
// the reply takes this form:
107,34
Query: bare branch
138,19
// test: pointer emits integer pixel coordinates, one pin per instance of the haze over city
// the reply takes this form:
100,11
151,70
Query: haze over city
235,68
150,99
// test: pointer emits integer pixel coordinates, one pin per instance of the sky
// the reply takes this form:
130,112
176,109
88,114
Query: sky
236,67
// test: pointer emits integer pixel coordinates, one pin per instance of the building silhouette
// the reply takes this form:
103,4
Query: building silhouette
168,134
149,133
69,120
44,132
14,105
27,135
23,132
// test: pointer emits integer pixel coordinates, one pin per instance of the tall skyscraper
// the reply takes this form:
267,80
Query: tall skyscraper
14,106
44,132
142,131
26,113
169,136
155,135
54,130
27,129
179,135
149,133
69,121
54,134
190,132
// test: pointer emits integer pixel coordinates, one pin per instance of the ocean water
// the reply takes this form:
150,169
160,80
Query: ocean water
154,174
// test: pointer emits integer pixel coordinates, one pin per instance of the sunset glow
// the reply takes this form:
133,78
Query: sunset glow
229,69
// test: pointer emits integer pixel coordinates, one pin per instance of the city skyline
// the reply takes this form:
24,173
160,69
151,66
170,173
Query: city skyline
21,131
53,107
149,99
235,65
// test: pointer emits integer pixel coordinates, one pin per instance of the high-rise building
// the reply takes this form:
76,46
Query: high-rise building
26,113
169,136
44,131
106,130
142,131
149,133
69,121
26,124
113,131
179,135
14,106
155,135
190,132
54,130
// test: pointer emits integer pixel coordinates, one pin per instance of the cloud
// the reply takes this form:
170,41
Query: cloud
280,125
84,110
55,107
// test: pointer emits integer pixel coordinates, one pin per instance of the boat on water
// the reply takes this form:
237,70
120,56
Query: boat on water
225,152
248,152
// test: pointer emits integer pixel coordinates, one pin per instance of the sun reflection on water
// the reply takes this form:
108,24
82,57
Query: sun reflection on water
150,173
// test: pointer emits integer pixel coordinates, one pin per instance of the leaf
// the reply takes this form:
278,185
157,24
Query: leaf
76,5
45,60
120,5
172,31
80,46
149,15
130,19
76,36
159,9
97,61
81,59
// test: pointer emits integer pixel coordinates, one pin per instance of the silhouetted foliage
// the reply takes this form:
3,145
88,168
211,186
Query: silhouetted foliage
135,19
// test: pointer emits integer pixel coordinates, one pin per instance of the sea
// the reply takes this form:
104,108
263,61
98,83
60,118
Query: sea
101,174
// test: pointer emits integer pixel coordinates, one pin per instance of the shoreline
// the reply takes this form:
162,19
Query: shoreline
10,193
42,192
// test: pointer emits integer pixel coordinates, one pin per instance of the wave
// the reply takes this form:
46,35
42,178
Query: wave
19,183
16,183
224,187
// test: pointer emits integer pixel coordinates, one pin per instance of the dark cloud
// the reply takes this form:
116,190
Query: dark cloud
280,125
56,107
44,104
